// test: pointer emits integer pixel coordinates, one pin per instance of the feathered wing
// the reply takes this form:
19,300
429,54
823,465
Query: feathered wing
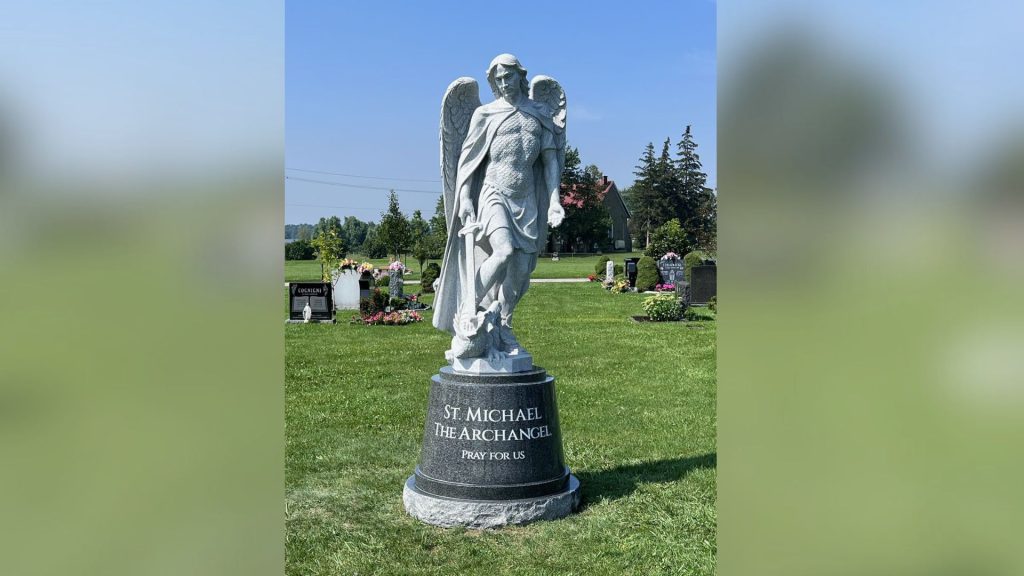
460,100
547,90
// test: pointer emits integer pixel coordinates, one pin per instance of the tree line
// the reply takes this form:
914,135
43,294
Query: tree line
672,194
394,235
668,193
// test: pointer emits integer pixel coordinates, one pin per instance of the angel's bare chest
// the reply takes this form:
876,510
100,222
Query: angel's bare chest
517,141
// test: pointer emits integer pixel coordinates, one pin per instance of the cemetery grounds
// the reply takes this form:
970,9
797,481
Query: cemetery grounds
637,412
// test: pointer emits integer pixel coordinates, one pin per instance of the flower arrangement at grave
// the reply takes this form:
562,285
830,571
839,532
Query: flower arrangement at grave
663,308
382,309
349,264
667,287
617,285
591,278
396,318
365,267
397,266
670,256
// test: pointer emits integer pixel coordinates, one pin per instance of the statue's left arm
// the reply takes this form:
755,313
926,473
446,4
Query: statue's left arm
547,90
553,182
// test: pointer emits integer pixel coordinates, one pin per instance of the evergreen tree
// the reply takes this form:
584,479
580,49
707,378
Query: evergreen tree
648,206
697,207
669,185
667,188
394,232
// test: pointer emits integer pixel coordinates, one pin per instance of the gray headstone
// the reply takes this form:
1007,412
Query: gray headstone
672,271
396,283
683,291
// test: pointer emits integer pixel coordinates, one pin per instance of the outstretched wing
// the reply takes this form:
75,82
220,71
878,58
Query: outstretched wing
547,90
460,100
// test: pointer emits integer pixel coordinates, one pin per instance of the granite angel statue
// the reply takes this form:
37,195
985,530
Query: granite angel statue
501,165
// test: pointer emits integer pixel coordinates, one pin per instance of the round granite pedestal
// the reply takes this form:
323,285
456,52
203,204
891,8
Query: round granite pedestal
492,452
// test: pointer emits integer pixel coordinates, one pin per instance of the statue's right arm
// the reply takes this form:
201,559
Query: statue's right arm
465,204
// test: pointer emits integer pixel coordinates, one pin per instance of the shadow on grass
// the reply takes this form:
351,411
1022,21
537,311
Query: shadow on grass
623,480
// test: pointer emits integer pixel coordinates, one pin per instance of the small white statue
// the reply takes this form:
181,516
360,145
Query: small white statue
307,313
501,165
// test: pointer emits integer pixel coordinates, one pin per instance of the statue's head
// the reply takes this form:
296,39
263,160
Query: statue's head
501,70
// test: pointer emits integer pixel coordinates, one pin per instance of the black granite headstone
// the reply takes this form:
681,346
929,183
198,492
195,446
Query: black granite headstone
492,437
703,283
365,285
630,269
319,296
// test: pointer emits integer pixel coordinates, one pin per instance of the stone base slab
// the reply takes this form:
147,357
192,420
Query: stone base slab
449,512
515,363
331,321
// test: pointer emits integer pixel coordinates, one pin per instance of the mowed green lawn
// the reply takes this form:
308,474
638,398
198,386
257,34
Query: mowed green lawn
566,267
637,411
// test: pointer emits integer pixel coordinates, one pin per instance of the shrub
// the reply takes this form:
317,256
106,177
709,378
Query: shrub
713,304
383,281
299,250
600,266
430,273
669,237
646,274
377,301
619,269
695,258
663,307
397,303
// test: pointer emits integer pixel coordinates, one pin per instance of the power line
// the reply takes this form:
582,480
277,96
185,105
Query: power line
327,206
368,177
361,187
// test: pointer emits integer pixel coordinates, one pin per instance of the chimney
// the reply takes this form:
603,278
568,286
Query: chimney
605,179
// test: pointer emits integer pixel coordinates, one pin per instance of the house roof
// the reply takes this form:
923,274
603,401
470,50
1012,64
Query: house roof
607,187
611,188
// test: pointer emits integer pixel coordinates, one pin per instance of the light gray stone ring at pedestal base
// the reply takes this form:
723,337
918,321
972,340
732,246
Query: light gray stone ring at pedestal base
449,512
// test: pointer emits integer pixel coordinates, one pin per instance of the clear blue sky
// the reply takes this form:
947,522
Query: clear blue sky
364,83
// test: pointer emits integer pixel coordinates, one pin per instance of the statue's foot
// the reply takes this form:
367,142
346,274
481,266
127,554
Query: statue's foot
507,342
